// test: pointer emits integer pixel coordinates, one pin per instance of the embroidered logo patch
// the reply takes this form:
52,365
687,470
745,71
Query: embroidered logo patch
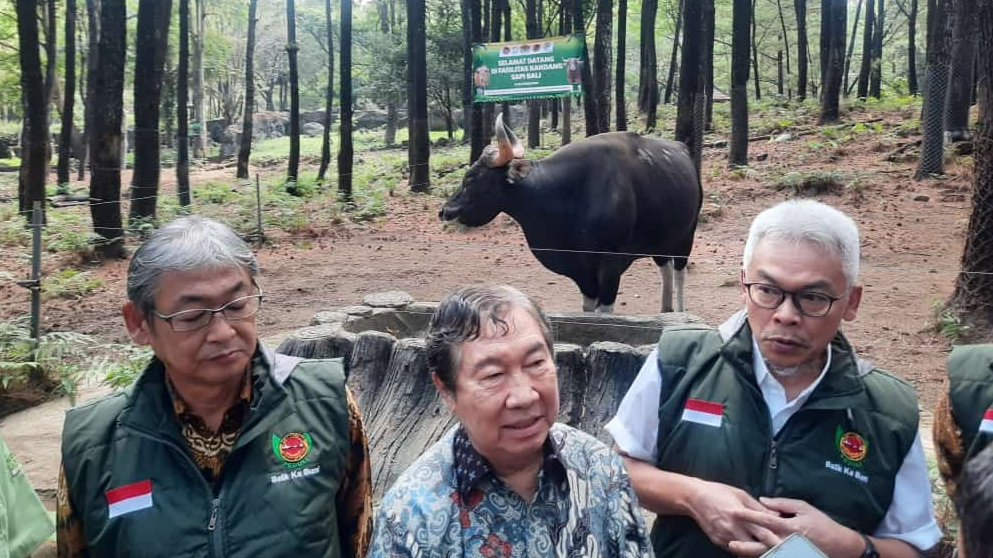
703,412
292,449
852,445
987,424
129,498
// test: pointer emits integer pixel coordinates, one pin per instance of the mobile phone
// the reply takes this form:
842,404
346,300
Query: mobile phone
795,546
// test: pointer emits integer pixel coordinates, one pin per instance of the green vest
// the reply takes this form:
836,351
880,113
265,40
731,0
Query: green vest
276,495
970,391
840,452
24,523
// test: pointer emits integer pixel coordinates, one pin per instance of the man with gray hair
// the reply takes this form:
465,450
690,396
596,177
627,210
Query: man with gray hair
221,446
771,425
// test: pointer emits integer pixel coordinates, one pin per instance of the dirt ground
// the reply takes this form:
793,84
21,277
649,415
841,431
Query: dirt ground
912,238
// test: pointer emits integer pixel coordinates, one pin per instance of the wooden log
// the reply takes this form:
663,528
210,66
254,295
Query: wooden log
612,367
320,341
367,367
573,380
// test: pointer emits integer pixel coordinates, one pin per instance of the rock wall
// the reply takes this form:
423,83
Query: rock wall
381,342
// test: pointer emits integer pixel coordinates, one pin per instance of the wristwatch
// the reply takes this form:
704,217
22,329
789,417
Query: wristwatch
870,549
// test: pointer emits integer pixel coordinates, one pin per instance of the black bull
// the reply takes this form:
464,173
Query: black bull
592,208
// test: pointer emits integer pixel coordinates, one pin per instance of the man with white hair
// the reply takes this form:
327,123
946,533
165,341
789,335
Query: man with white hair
771,425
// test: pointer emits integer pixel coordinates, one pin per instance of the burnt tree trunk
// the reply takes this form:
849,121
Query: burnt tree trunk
565,28
671,79
740,48
346,153
802,44
601,63
689,115
912,84
786,49
876,72
533,28
35,132
69,97
479,134
933,120
963,55
467,73
106,140
974,284
870,22
755,54
86,63
247,121
846,90
710,21
418,147
837,28
648,75
152,42
182,112
589,91
622,17
293,165
328,96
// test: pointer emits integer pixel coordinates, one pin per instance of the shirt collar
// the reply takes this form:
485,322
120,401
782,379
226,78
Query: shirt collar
471,468
763,377
180,407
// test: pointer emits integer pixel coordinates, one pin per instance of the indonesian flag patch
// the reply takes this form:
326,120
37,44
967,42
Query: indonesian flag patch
130,498
703,412
987,424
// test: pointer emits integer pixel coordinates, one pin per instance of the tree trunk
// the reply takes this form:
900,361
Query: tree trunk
533,29
293,164
346,152
800,7
691,94
933,120
837,28
467,73
87,70
876,74
708,59
247,121
622,17
390,133
488,115
740,48
755,55
589,91
565,28
851,49
478,128
780,75
182,111
648,78
106,139
328,96
870,23
786,49
199,110
69,97
35,131
505,107
152,42
974,283
961,70
418,152
601,63
912,49
670,80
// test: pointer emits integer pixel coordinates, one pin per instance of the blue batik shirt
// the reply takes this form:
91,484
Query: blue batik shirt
449,504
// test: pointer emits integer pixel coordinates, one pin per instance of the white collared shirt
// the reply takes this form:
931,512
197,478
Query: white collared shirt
910,517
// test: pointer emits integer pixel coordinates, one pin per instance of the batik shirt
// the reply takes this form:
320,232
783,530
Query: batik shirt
449,503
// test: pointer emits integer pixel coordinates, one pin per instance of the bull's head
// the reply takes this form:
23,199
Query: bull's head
481,196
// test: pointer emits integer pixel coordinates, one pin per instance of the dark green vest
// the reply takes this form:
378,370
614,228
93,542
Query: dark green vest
267,502
840,452
970,391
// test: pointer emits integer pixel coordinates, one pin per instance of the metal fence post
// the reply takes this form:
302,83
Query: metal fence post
35,281
258,211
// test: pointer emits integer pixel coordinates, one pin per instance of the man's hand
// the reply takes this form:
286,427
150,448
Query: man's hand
784,516
718,510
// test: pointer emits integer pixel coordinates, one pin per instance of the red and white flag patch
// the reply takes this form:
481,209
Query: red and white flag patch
130,498
703,412
987,424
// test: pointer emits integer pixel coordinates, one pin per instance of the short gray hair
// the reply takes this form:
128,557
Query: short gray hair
185,244
460,317
813,222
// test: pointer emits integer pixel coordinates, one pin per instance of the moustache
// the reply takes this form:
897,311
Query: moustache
785,337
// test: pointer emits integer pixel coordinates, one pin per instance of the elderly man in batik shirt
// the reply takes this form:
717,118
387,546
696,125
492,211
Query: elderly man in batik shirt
507,481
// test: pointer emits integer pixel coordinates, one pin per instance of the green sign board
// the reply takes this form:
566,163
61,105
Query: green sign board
533,69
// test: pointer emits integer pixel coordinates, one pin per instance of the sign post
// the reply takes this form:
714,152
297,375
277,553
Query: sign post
533,69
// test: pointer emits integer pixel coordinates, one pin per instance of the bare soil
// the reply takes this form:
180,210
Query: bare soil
912,239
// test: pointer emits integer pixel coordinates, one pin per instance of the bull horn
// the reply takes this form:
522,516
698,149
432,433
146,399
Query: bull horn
505,145
517,146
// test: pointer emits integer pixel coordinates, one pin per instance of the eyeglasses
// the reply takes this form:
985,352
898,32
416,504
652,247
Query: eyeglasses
813,304
197,318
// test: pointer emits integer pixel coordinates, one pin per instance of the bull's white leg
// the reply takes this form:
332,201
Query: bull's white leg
605,309
666,272
589,304
680,281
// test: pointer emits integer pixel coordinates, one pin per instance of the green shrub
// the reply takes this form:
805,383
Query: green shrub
69,283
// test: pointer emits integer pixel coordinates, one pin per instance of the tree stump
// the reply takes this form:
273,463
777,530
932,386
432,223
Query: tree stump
573,379
320,341
367,367
613,366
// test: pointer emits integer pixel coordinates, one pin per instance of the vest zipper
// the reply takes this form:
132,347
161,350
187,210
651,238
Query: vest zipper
213,514
770,472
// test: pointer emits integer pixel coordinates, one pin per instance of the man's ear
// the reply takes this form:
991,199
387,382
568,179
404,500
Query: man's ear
852,306
446,395
518,170
138,326
744,289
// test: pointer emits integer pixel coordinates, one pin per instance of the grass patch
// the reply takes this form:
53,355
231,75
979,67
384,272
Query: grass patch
811,183
947,323
69,283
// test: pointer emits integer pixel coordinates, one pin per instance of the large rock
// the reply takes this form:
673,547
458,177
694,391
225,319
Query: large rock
312,129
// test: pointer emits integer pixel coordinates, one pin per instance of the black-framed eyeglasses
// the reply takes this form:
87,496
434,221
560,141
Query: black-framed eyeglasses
193,319
814,304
